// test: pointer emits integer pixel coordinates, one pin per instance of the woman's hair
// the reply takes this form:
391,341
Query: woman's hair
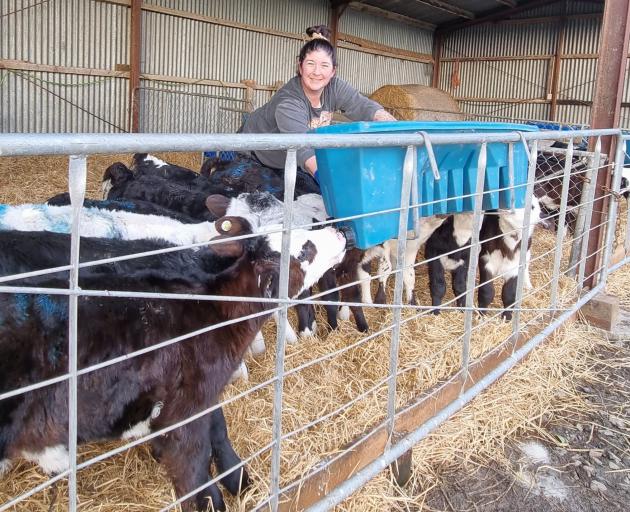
320,40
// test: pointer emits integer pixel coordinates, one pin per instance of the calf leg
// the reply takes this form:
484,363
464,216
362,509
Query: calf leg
225,457
485,295
306,315
328,282
352,294
437,284
508,296
458,283
184,454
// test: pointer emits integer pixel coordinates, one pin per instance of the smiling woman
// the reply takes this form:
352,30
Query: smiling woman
309,100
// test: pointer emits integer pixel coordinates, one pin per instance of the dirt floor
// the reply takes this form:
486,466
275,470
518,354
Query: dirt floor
581,464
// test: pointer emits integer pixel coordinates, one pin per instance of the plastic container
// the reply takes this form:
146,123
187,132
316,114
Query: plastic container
366,180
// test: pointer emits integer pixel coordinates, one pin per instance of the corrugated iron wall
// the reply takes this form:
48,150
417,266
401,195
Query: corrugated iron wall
93,36
519,86
69,33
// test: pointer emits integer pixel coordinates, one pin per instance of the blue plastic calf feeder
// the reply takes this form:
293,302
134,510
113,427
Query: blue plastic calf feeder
355,181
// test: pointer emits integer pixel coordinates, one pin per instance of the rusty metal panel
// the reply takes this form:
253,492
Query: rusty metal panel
369,72
501,40
61,103
387,32
65,33
295,15
496,79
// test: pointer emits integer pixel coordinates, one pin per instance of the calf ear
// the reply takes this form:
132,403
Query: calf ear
227,248
117,173
267,277
217,205
232,226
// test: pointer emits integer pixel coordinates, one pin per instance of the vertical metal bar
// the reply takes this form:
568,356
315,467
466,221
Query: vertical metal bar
589,214
77,176
410,167
579,232
612,211
566,180
135,50
290,171
523,260
474,256
511,190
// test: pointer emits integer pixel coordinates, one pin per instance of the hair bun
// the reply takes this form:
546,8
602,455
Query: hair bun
319,32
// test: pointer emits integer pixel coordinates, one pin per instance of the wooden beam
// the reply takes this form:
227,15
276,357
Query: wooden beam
438,40
135,50
555,77
388,50
20,65
372,444
494,15
448,8
606,111
376,11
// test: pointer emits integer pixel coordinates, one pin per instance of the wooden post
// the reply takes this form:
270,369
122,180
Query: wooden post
135,49
557,62
337,8
437,55
606,110
250,85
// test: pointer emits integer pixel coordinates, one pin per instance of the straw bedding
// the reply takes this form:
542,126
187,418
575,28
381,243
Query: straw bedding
429,352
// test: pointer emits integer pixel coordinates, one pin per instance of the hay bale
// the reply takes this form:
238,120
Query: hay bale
413,102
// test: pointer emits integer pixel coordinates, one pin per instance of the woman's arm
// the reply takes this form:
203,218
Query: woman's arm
383,115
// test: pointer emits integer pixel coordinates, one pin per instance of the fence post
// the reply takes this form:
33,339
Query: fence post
523,266
250,85
77,176
290,172
566,180
472,261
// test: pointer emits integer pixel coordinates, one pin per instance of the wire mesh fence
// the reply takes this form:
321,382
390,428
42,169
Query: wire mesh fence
171,110
319,416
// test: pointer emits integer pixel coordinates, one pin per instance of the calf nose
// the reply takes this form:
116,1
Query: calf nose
348,234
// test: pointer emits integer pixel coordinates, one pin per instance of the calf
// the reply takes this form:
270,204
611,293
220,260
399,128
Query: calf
448,248
171,383
120,183
500,253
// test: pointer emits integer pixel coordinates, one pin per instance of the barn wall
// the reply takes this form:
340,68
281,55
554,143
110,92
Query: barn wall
180,45
520,88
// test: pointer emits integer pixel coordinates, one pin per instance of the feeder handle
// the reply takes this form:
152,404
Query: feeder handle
524,142
431,154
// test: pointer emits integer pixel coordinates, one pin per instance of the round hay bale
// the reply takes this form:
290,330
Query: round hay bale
413,102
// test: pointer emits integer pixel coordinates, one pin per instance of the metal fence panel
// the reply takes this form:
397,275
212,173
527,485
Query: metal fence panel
558,180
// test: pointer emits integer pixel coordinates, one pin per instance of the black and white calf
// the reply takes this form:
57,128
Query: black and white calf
448,248
500,253
163,386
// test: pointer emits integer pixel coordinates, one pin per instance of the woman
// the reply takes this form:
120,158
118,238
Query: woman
308,101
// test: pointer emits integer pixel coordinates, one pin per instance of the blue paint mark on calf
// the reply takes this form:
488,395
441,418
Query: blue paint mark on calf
21,304
51,308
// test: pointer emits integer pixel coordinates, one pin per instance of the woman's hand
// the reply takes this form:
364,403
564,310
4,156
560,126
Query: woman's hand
383,115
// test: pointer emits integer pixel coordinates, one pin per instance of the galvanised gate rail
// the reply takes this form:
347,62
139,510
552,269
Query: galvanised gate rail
283,495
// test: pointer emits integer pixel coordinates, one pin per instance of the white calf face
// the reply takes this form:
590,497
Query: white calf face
316,251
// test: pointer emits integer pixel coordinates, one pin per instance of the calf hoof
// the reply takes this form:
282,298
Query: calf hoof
309,333
435,311
343,313
209,499
380,296
362,326
506,315
258,345
237,481
412,300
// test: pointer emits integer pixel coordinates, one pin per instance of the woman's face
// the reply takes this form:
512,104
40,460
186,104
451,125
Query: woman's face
316,70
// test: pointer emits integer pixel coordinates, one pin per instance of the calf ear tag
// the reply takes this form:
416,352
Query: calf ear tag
226,225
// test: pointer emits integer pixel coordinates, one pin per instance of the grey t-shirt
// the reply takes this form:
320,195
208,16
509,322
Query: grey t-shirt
289,111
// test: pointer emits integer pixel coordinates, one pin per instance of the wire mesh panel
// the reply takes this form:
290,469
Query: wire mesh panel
170,110
370,350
